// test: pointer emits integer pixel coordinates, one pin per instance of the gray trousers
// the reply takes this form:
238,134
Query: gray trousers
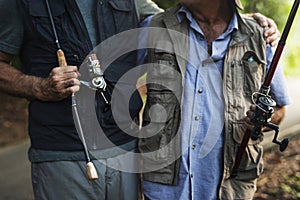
64,180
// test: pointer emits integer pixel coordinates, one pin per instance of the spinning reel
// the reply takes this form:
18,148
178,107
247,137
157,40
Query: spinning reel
262,116
97,79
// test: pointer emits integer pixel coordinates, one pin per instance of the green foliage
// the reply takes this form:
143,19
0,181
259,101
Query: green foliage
166,3
279,10
291,59
275,9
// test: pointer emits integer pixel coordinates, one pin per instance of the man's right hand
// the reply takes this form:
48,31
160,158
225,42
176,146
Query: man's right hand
61,82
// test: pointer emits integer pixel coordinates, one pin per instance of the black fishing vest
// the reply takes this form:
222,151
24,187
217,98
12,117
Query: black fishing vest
51,125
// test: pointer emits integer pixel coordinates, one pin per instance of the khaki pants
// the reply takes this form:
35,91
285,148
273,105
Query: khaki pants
238,189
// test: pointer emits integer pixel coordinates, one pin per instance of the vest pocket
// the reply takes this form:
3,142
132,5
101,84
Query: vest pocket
41,19
124,14
251,165
253,71
163,73
165,65
161,126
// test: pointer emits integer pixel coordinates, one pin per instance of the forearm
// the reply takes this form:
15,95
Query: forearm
14,82
278,115
61,82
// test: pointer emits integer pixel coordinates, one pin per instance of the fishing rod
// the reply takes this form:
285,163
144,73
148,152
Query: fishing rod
264,103
91,171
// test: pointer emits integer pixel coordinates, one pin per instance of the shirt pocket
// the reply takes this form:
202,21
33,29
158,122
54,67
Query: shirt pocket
253,72
124,14
41,21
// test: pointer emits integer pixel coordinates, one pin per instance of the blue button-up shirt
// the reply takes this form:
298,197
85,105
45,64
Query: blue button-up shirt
203,117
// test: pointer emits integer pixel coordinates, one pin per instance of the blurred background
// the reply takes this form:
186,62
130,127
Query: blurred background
281,179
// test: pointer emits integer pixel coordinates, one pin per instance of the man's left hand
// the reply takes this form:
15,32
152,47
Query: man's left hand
271,34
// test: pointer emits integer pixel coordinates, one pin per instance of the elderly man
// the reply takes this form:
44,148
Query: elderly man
204,84
56,153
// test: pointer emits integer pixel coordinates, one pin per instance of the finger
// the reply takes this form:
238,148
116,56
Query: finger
73,89
249,115
72,72
272,33
72,82
60,70
253,107
69,75
63,75
271,23
275,43
62,85
249,124
269,32
261,19
272,40
73,68
66,92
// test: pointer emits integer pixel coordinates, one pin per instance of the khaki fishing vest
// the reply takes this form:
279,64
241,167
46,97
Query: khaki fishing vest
243,74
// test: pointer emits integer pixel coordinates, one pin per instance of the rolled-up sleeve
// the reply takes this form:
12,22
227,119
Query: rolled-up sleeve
146,8
11,31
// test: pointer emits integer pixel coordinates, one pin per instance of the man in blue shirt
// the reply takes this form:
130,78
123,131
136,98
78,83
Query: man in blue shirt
209,97
56,152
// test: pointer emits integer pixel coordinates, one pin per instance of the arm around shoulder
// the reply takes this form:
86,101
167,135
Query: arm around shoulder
146,8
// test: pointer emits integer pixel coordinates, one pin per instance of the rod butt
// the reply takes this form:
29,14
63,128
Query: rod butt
91,171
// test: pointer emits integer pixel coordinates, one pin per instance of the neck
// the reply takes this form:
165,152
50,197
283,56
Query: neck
212,11
213,16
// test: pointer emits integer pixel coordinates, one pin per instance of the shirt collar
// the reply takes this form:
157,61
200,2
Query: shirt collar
184,12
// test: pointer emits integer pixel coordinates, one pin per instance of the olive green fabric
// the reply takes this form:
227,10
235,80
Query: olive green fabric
244,70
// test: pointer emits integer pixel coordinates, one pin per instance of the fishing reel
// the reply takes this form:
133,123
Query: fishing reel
262,116
96,75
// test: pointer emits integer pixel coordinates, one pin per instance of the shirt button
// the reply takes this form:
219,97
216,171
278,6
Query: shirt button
192,175
193,147
200,91
197,118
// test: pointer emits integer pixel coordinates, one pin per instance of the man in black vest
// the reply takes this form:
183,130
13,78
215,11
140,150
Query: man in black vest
56,152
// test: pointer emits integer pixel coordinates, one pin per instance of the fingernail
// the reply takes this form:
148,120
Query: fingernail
273,44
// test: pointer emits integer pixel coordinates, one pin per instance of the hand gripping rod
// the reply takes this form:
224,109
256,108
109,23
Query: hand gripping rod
91,171
264,102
